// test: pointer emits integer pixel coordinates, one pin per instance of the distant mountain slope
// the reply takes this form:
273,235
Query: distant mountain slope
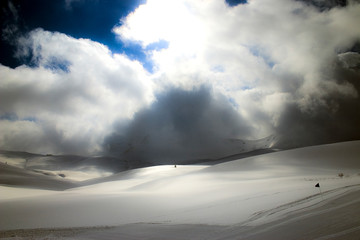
14,176
125,159
56,162
66,166
135,154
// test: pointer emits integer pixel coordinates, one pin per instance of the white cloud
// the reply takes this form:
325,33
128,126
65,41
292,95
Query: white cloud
263,55
76,92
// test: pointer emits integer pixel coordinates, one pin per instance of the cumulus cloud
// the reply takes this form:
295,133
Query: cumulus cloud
278,61
71,95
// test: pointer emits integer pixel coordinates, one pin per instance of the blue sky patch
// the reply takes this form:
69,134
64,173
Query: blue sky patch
13,118
218,68
56,64
233,3
256,51
157,45
81,19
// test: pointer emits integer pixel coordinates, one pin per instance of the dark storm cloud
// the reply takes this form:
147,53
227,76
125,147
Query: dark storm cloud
330,115
325,4
180,125
336,119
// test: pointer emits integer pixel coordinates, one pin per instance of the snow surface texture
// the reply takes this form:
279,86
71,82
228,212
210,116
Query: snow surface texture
240,194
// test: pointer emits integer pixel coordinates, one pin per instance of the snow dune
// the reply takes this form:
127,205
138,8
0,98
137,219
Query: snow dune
240,194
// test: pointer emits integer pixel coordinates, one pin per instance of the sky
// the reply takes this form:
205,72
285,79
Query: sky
179,77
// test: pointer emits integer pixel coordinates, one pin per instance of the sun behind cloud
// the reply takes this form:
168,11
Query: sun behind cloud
285,67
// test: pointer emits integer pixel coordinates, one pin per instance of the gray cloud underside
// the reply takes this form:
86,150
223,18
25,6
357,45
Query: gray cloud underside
181,125
332,119
187,125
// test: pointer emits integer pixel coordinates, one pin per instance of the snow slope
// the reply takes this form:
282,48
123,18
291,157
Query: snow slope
248,192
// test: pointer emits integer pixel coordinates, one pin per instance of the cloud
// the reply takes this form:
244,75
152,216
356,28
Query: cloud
72,94
332,118
180,125
324,5
9,22
277,61
283,67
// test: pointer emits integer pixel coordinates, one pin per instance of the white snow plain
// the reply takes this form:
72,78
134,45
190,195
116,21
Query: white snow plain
245,193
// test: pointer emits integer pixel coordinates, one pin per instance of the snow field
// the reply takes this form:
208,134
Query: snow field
249,192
